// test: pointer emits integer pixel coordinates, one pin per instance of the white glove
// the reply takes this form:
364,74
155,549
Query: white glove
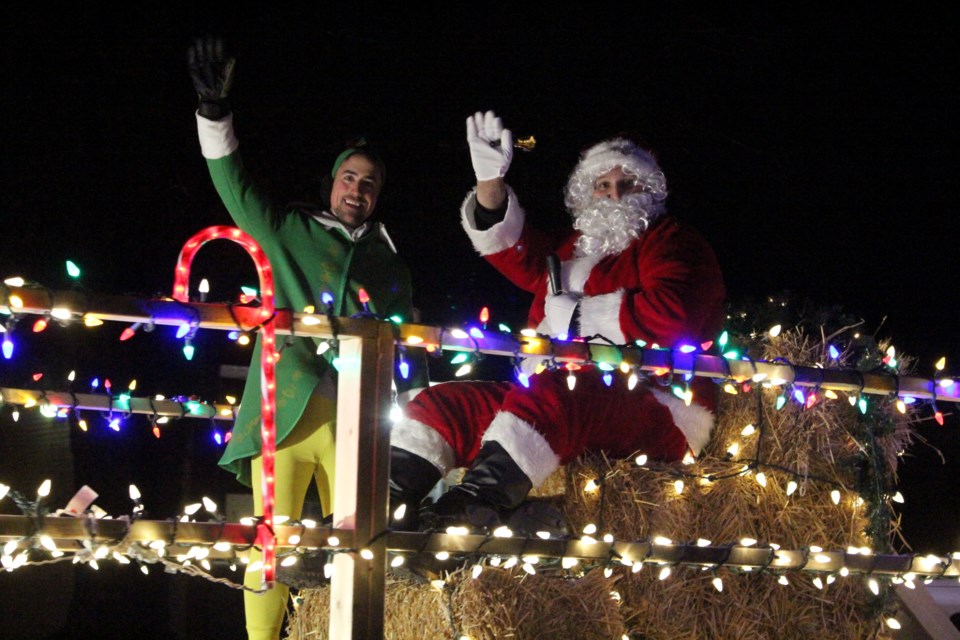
491,146
559,310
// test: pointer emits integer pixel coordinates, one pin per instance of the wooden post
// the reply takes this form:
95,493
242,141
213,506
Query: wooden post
360,492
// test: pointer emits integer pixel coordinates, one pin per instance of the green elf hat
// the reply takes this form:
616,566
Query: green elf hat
359,146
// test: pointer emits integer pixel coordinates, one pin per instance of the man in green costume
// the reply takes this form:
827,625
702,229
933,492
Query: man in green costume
312,252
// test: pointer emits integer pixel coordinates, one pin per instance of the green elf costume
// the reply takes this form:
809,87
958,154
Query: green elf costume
311,252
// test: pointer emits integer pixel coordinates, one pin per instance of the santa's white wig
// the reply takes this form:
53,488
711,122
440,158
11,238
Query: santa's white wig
605,156
609,226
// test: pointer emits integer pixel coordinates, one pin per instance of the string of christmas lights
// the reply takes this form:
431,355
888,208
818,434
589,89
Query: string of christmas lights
803,388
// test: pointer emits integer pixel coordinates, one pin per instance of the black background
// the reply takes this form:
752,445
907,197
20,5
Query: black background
816,151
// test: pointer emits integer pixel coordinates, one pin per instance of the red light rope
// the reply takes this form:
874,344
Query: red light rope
268,379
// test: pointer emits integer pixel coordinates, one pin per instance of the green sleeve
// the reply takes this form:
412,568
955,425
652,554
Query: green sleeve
248,206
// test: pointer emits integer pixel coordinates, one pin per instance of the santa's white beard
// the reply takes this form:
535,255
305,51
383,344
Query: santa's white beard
609,226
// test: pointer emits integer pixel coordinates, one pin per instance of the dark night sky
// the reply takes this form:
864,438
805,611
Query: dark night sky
817,151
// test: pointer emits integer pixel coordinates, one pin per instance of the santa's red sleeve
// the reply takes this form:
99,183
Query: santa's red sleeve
514,248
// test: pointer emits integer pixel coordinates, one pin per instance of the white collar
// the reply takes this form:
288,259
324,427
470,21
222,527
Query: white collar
330,221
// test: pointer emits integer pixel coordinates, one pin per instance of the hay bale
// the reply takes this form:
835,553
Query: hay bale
829,445
412,611
502,603
752,606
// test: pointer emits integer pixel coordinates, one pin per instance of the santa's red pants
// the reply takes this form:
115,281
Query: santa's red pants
546,424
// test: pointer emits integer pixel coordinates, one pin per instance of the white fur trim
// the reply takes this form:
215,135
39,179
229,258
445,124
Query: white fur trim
500,236
527,447
575,273
416,437
694,421
408,395
600,315
216,137
617,152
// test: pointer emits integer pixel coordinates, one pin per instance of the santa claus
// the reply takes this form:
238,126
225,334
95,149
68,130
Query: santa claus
628,272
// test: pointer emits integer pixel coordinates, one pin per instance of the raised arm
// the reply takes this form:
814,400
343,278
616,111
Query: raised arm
491,150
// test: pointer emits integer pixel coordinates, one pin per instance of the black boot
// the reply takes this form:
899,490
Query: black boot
411,479
489,491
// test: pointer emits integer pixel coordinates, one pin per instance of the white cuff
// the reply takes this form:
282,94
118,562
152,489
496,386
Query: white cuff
527,446
216,137
500,236
416,437
600,315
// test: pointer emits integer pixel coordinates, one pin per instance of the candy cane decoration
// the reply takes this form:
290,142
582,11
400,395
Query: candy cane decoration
268,378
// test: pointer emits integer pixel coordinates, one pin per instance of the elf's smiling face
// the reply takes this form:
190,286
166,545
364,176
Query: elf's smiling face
355,190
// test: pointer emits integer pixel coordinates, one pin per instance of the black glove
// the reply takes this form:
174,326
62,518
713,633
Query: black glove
212,73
